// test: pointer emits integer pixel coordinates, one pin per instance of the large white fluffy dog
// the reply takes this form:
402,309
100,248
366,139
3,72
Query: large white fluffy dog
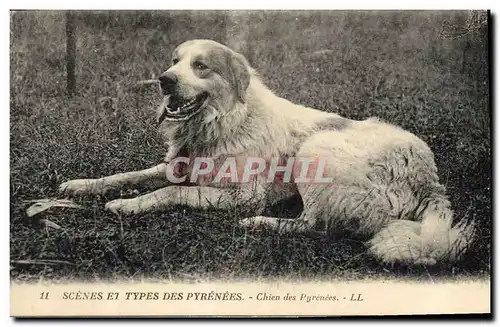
383,182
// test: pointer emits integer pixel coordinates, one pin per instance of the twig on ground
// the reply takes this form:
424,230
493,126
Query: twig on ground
45,204
146,82
41,262
49,223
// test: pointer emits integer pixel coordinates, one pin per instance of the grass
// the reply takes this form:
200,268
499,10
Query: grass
394,65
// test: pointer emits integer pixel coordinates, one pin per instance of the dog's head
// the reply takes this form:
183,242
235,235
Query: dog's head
205,76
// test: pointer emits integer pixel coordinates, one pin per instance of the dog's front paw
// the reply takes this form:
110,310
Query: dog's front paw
78,187
121,207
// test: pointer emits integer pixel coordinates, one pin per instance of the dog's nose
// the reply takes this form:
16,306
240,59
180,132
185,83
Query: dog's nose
168,81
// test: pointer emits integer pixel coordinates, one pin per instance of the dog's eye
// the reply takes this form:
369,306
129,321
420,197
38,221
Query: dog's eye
175,61
199,65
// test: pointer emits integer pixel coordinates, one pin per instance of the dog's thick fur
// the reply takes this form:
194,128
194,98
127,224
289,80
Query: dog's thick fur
385,183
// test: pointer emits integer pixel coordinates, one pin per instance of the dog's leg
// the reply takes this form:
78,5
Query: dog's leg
306,223
155,176
201,197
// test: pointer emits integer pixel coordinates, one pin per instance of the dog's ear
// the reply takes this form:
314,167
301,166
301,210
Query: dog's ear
240,75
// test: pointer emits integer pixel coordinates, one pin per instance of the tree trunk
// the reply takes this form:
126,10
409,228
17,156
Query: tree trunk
70,54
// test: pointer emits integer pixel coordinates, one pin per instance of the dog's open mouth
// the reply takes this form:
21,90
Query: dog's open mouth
178,108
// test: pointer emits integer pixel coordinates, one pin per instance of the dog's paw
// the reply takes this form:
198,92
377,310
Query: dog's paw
121,207
77,187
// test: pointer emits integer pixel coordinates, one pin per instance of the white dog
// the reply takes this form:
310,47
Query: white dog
382,180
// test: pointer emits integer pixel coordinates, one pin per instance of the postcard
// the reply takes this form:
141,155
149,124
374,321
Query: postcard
225,163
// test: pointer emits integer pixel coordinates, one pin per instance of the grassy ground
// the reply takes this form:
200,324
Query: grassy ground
393,65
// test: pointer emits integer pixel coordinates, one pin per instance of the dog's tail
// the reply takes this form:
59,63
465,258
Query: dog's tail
428,241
